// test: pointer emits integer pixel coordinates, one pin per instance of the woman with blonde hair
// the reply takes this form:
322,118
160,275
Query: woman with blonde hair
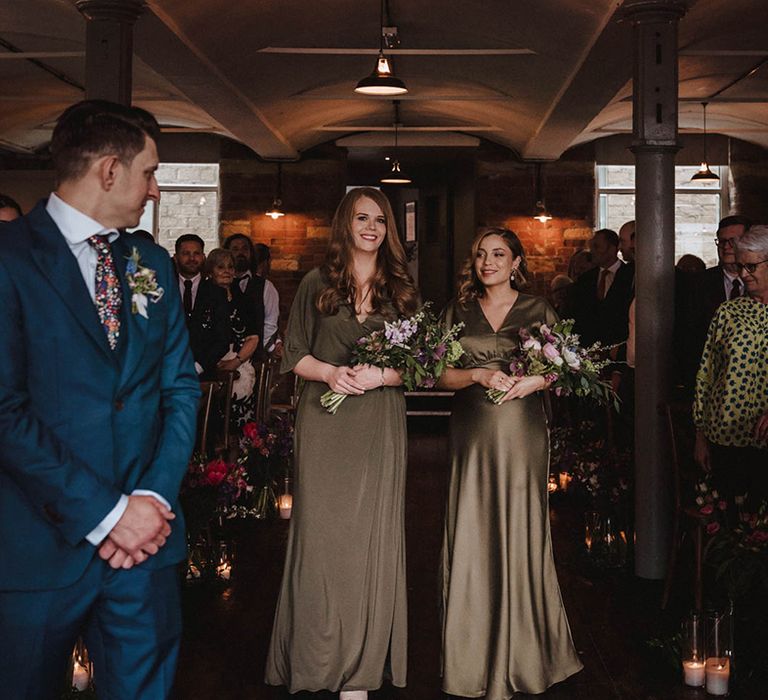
340,623
504,625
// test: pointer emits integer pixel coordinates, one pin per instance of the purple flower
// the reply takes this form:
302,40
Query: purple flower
550,352
440,351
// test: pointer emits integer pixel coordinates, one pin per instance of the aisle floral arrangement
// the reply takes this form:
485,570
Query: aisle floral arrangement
418,347
556,353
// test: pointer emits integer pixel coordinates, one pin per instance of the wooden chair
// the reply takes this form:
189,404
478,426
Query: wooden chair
215,413
687,522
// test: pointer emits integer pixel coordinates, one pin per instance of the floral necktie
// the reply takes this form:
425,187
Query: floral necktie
108,294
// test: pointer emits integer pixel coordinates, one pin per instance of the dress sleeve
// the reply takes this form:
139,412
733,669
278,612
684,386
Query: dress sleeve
302,323
708,369
550,315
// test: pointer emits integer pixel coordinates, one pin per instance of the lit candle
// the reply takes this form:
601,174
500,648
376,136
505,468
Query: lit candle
565,479
224,570
80,676
718,671
285,504
552,484
693,672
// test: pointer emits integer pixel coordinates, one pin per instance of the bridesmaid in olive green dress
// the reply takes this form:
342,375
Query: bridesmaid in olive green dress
504,625
340,623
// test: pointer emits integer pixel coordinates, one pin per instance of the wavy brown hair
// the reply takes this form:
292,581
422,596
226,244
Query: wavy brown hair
391,283
469,285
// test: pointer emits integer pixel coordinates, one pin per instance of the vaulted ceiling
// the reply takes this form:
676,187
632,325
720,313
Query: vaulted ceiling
536,76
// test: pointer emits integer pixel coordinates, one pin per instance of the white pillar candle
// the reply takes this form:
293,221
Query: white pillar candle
285,504
718,671
693,673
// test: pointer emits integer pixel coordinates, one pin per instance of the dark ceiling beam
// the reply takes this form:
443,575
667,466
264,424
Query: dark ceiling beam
594,83
161,44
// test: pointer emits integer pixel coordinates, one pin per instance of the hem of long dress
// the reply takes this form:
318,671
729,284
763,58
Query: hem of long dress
318,689
508,693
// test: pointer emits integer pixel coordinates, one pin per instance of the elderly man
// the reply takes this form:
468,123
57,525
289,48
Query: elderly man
98,396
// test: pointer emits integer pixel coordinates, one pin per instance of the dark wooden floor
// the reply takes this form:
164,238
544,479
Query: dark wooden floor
612,615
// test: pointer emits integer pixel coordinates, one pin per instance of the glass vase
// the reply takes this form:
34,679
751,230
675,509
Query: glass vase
719,652
265,502
692,651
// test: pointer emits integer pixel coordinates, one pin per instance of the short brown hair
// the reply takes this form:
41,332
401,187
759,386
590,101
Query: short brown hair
94,128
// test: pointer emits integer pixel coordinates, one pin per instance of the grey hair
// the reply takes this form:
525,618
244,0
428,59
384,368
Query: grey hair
754,241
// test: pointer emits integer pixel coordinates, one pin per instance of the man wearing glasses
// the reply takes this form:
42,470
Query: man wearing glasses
713,287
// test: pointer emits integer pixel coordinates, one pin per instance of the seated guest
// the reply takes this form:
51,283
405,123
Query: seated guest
246,282
9,208
244,337
205,305
580,262
558,293
143,233
730,408
691,264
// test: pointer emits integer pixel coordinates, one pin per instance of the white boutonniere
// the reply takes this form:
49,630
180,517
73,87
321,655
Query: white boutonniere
143,283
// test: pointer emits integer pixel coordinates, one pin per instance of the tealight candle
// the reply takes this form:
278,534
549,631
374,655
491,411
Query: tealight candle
80,676
693,673
718,672
285,504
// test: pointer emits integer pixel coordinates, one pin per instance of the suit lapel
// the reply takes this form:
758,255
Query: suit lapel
134,328
56,262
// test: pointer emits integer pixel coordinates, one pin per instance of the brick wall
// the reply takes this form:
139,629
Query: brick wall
505,196
311,190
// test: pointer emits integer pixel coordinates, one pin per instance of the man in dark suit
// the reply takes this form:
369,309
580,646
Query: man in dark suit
205,305
247,282
707,291
601,296
98,397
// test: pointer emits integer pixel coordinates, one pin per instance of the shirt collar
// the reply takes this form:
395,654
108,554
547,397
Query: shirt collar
195,280
75,226
613,268
729,276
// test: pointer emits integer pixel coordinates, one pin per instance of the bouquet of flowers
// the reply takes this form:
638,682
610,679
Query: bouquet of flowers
211,487
418,347
266,453
557,354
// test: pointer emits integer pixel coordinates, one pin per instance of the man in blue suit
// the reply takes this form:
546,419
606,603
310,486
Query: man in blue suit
98,398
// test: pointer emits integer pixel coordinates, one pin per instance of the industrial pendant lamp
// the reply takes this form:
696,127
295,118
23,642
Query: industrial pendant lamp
396,176
275,212
541,213
382,82
704,174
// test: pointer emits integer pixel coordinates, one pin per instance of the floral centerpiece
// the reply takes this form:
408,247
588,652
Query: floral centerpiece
418,347
266,454
556,353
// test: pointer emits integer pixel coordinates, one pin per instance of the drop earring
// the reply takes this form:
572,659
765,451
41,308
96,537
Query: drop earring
513,274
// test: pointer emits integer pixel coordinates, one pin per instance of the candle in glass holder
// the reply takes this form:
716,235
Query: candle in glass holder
80,676
224,571
717,673
693,673
285,504
552,484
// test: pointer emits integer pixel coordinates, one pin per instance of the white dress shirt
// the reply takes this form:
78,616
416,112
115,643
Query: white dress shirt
195,285
612,270
728,280
77,228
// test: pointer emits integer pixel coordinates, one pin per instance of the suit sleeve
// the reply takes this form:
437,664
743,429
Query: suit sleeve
179,397
68,493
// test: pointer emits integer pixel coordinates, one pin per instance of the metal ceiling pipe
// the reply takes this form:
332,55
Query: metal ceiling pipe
654,143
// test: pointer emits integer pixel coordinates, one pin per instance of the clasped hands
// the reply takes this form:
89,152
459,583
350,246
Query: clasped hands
516,387
139,534
360,378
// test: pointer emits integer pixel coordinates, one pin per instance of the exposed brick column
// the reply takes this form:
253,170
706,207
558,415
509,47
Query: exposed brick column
109,47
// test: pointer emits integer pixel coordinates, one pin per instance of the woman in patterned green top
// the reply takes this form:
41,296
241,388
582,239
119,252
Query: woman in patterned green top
731,401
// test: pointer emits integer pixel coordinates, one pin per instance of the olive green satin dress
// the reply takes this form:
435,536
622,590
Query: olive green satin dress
504,626
341,618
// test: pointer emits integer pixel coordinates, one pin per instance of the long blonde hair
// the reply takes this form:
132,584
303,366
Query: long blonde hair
469,286
391,282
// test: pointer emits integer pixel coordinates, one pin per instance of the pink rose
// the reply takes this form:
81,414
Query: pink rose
712,528
707,509
722,505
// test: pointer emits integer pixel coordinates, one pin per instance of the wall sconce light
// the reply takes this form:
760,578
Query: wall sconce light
382,82
704,174
275,211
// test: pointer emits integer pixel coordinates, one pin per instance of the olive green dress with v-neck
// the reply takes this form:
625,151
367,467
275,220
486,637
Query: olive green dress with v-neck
504,625
341,614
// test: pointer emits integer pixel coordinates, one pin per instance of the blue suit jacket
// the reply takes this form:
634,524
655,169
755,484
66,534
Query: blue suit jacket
81,424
